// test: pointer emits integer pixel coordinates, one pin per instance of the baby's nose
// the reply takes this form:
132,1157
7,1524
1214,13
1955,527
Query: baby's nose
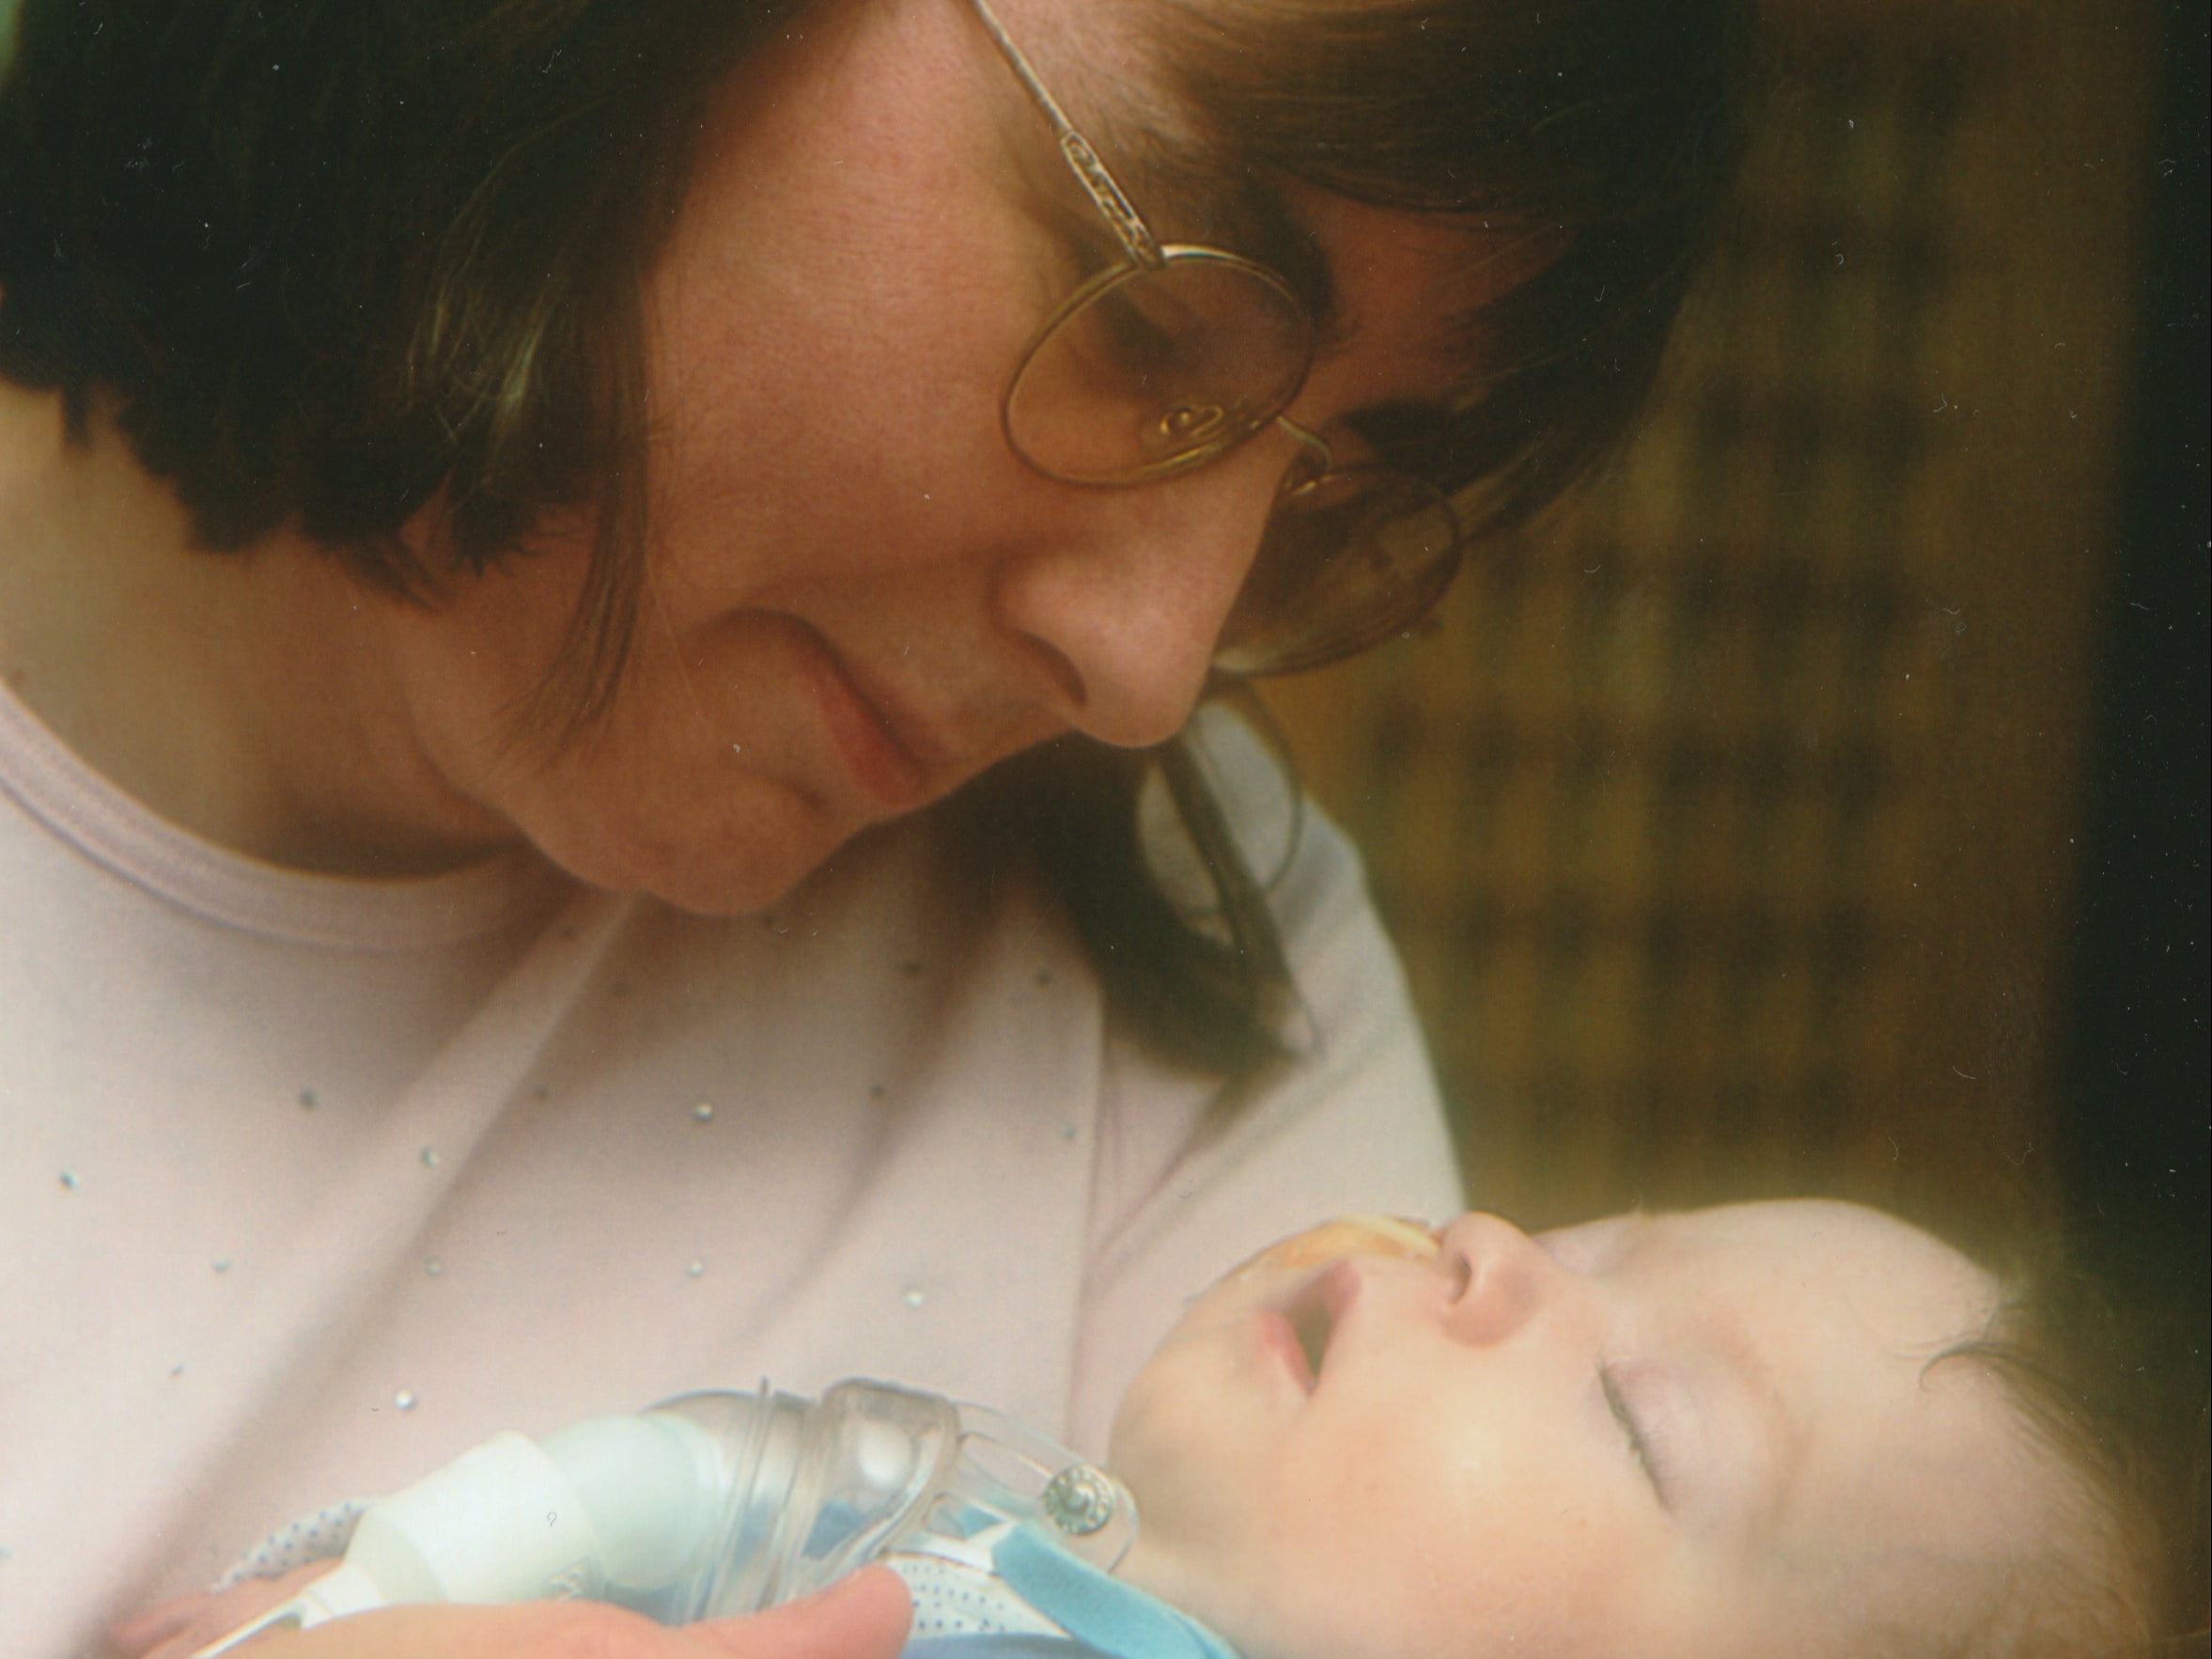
1497,1276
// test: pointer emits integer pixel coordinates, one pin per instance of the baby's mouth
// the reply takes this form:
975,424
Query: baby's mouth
1316,1313
1311,1323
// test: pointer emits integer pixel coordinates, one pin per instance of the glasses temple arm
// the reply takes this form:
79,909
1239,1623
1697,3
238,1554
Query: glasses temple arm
1320,455
1129,228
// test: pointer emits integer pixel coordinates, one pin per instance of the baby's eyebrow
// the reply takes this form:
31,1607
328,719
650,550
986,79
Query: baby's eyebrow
1631,1234
1587,1247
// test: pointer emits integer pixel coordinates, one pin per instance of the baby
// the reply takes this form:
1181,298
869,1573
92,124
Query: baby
1762,1429
1779,1429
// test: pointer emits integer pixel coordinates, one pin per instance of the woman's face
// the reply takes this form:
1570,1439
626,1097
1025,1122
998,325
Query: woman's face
1711,1433
858,598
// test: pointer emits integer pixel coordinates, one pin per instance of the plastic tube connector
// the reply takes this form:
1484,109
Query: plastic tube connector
625,1502
709,1505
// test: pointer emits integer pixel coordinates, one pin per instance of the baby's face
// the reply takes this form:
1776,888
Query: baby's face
1707,1434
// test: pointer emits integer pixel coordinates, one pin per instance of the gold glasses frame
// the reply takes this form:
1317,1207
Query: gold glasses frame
1314,485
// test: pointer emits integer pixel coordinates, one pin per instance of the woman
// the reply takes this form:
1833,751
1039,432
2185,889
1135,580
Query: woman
513,511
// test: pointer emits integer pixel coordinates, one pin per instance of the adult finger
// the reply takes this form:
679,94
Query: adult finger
865,1617
193,1621
861,1618
535,1630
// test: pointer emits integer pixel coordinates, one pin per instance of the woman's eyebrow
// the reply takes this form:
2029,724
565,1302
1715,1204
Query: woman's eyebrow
1189,191
1250,216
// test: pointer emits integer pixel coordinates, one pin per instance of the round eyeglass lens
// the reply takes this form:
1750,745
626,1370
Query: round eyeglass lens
1146,371
1347,561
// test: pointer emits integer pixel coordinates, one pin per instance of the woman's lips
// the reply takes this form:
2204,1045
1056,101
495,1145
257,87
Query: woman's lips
865,738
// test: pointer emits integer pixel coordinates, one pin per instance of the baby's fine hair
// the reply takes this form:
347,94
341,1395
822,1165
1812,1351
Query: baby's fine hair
2111,1575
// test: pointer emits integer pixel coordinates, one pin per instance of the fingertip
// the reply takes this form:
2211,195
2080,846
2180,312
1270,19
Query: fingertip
878,1588
154,1627
865,1616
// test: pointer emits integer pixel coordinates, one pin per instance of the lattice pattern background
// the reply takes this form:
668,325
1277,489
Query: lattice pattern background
1726,819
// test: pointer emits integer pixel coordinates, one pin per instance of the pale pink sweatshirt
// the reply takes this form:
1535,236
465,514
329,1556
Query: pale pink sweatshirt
308,1184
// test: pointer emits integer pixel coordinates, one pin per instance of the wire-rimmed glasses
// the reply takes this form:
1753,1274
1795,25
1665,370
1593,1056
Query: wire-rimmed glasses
1173,356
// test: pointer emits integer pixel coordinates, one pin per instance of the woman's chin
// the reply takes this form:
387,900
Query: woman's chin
743,863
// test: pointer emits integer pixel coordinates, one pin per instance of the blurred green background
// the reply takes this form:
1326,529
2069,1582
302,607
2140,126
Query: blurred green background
1735,820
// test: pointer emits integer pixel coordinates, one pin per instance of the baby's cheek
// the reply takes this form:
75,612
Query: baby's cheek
1168,1391
1182,1447
1418,1531
1348,1552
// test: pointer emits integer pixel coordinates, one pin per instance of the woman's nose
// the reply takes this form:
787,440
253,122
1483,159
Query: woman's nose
1125,610
1498,1280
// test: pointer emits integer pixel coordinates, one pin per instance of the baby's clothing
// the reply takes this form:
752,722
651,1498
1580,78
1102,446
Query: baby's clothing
1009,1587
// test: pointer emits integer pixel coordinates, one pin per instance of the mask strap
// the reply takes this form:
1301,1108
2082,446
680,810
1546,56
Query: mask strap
1119,1620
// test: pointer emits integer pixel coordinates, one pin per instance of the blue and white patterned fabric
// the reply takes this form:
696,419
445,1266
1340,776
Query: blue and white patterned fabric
320,1536
1009,1593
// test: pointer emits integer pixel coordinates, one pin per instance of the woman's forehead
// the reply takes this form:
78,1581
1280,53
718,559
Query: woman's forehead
1411,283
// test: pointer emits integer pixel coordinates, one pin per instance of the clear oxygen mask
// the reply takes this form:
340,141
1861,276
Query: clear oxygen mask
710,1505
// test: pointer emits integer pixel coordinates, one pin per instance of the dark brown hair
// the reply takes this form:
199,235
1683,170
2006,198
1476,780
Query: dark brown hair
1607,132
330,260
